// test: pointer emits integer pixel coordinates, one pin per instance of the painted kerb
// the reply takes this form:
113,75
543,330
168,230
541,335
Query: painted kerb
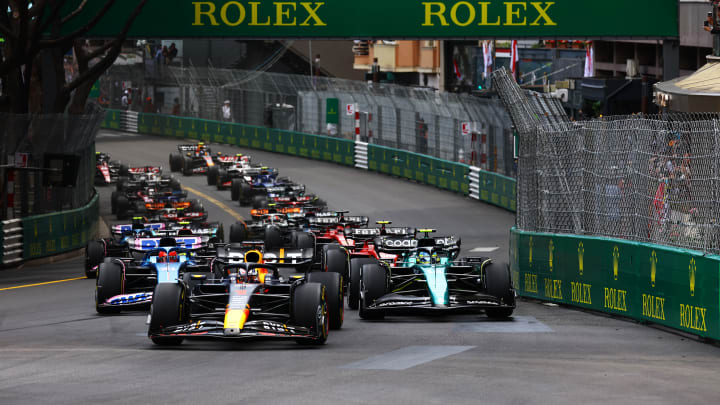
674,287
51,234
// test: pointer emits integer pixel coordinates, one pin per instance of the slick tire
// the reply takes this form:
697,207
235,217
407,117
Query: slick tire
220,179
124,170
212,175
259,201
122,207
335,295
309,309
238,232
273,238
108,285
354,283
94,255
303,240
121,183
187,166
175,184
245,196
168,309
113,202
235,189
175,162
373,285
336,261
498,284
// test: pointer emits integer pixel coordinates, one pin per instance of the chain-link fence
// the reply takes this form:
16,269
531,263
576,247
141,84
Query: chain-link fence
644,178
31,138
416,119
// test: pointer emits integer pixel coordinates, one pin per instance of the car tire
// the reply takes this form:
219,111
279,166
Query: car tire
113,202
245,194
168,309
221,179
108,284
121,183
336,261
175,162
273,238
259,202
498,284
335,296
212,175
124,170
309,309
94,255
123,205
187,166
196,206
235,189
354,282
238,232
303,240
373,285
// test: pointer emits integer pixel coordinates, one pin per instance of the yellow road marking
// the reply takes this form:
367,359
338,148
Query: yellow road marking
216,202
45,283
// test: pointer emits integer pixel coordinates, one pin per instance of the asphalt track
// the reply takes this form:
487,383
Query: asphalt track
54,348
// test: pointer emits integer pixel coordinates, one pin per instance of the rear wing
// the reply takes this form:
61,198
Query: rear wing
187,148
187,242
123,228
145,169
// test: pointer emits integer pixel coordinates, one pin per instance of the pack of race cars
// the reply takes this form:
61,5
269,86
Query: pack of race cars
286,273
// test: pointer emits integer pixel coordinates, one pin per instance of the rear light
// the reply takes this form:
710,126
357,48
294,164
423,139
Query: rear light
184,204
154,206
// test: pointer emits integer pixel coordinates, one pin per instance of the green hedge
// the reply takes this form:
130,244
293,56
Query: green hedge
51,234
674,287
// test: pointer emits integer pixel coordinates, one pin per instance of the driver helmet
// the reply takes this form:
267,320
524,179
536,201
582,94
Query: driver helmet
173,257
162,257
423,257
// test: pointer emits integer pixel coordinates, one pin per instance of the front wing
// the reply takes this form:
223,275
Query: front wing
252,329
399,304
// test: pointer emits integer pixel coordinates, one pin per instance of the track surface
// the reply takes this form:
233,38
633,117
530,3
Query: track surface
55,349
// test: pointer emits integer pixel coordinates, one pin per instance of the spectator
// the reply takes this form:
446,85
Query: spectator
125,100
226,111
149,107
172,53
176,107
165,54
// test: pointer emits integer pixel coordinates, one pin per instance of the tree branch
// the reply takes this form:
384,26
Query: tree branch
77,11
96,70
81,31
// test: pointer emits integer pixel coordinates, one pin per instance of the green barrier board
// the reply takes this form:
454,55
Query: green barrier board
421,168
499,190
51,234
674,287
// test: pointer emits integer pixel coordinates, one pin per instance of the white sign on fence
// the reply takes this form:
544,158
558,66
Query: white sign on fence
350,109
466,128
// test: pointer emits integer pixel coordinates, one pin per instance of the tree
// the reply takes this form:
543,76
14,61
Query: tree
32,56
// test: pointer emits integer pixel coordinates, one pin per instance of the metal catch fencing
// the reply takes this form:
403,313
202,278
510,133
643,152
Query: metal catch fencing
653,178
31,138
416,119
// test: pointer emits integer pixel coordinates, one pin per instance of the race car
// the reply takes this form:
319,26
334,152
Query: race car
106,170
228,168
192,159
253,301
122,242
246,189
148,200
128,283
428,279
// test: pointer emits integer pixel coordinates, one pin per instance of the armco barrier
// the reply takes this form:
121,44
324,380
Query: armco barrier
51,234
674,287
457,177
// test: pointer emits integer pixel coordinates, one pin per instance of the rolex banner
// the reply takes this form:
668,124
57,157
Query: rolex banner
674,287
384,19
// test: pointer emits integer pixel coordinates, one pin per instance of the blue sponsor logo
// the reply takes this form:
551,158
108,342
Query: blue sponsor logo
130,299
149,244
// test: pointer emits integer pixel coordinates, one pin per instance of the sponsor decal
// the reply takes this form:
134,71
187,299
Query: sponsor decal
653,268
581,257
400,243
580,293
395,303
130,299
